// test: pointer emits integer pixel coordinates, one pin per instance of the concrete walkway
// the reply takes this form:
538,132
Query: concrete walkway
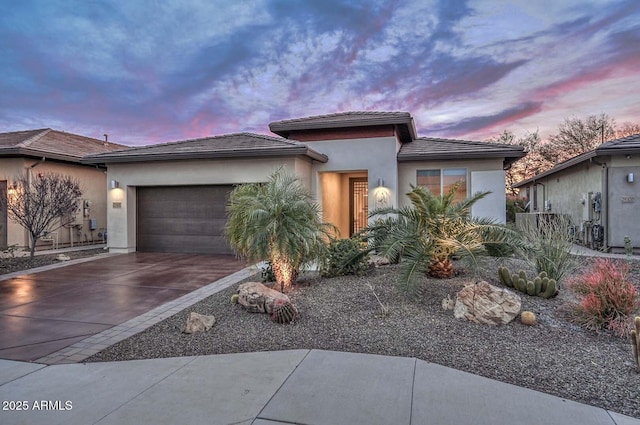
270,388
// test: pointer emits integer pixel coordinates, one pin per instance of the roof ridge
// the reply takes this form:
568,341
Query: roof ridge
35,137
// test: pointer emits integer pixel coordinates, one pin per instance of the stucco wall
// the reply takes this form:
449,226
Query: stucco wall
93,183
374,156
624,205
122,220
493,182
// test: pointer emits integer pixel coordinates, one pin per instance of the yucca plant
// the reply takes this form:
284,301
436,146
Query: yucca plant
433,229
279,221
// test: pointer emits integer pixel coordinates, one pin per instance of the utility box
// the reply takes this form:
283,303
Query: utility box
93,224
587,210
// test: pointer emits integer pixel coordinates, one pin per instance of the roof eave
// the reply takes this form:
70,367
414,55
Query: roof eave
31,153
458,155
249,153
562,166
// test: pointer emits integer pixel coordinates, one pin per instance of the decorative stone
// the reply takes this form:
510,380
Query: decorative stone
62,257
198,323
528,318
448,303
257,298
481,302
378,260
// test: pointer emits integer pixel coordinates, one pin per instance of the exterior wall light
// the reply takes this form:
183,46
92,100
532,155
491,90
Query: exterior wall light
115,184
630,177
380,182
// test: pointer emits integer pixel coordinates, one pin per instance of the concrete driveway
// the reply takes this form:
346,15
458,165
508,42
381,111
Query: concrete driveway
43,312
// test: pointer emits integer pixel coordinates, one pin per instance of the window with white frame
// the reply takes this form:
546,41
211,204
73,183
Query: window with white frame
442,180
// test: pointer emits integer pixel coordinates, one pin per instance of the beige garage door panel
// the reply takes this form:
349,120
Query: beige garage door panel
188,219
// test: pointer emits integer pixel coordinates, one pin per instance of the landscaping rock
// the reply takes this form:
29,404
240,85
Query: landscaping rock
63,257
481,302
528,318
378,260
257,298
198,323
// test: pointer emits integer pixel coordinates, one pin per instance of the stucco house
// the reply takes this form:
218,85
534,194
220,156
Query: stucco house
36,152
172,196
598,189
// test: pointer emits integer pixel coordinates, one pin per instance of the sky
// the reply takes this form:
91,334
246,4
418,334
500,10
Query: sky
165,70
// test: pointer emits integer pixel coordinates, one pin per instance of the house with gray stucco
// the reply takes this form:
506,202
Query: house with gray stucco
599,190
172,196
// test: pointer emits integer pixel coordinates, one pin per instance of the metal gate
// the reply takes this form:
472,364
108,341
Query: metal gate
358,204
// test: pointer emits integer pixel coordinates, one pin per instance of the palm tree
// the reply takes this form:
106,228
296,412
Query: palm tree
277,220
433,229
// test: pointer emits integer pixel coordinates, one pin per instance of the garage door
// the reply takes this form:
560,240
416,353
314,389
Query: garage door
187,219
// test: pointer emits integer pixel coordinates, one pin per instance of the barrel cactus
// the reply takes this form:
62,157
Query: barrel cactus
283,311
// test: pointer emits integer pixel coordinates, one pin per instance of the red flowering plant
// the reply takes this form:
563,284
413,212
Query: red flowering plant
607,299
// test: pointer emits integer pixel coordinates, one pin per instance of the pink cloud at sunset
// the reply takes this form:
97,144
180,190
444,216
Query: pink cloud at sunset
148,72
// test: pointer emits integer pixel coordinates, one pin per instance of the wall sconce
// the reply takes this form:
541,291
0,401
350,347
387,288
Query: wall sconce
380,182
630,177
13,189
115,184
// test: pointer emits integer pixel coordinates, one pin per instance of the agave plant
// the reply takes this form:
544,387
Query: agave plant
278,221
427,234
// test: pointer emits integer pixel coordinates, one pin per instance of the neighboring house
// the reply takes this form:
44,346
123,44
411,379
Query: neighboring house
172,197
35,152
598,189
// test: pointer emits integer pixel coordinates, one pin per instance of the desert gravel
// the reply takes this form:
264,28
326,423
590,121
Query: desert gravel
343,314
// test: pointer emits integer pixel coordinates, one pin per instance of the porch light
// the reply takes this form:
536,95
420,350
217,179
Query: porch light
115,184
630,177
380,182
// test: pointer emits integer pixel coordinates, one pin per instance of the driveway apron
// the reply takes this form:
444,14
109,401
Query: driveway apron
43,312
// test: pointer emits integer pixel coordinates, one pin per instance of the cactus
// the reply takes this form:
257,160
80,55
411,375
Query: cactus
549,288
283,311
635,342
234,298
505,276
541,285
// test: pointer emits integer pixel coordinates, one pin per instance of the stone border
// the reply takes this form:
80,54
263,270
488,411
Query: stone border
89,346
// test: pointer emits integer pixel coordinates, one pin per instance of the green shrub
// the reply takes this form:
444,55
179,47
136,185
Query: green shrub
266,273
345,257
514,206
498,249
548,246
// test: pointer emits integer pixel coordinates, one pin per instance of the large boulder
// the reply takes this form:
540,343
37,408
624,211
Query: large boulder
481,302
198,323
257,298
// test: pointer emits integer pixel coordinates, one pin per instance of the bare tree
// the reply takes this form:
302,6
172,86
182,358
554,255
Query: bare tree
577,136
524,168
42,204
627,129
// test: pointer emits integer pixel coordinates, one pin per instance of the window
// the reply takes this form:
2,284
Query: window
441,181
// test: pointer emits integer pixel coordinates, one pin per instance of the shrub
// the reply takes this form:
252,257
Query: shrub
514,206
607,299
266,273
548,246
345,257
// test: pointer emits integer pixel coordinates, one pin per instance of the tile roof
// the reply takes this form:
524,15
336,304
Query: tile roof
628,145
431,148
52,144
403,120
224,146
623,145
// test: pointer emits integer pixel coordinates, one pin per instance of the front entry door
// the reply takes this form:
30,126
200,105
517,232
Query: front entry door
358,204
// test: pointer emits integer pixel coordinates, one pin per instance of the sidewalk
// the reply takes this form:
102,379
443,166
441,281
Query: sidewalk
270,388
